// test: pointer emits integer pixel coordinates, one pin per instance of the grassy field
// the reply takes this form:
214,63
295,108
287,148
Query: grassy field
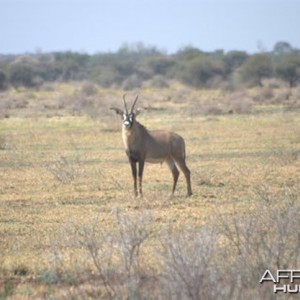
65,179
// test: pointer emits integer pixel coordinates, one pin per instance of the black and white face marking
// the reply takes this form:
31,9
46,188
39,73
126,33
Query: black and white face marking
128,120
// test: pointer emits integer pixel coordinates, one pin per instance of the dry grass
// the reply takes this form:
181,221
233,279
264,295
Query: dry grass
59,172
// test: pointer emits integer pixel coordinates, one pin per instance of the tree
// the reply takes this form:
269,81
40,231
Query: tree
233,60
188,53
197,71
71,65
159,64
289,68
22,74
2,80
256,68
282,48
196,68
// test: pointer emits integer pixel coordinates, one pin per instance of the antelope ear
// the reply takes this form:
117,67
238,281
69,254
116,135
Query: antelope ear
117,110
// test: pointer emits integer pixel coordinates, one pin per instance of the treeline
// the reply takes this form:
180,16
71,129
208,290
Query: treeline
134,65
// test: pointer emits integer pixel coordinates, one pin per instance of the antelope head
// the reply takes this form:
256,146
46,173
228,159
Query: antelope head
128,117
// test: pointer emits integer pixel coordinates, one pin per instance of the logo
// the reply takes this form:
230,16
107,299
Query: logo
285,281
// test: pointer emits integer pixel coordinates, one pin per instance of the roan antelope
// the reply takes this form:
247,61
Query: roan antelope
155,146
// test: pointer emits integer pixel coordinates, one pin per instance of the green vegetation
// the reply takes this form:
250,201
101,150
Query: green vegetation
135,66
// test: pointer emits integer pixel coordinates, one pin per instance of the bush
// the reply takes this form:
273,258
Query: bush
239,102
49,277
264,95
187,261
221,260
25,71
4,108
104,76
289,69
160,65
64,170
159,81
240,106
113,259
198,70
132,82
265,238
2,80
256,68
88,89
3,142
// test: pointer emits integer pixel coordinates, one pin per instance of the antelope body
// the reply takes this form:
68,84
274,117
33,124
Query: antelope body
153,146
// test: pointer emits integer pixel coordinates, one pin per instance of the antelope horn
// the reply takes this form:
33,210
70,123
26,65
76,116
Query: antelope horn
132,107
125,106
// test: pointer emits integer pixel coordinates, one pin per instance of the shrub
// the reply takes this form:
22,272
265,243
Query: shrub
24,72
88,89
289,69
3,143
223,259
264,95
266,238
132,82
159,81
113,259
256,68
64,170
187,262
198,70
2,80
239,102
49,277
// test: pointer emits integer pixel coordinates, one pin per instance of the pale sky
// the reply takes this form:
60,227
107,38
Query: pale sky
93,26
